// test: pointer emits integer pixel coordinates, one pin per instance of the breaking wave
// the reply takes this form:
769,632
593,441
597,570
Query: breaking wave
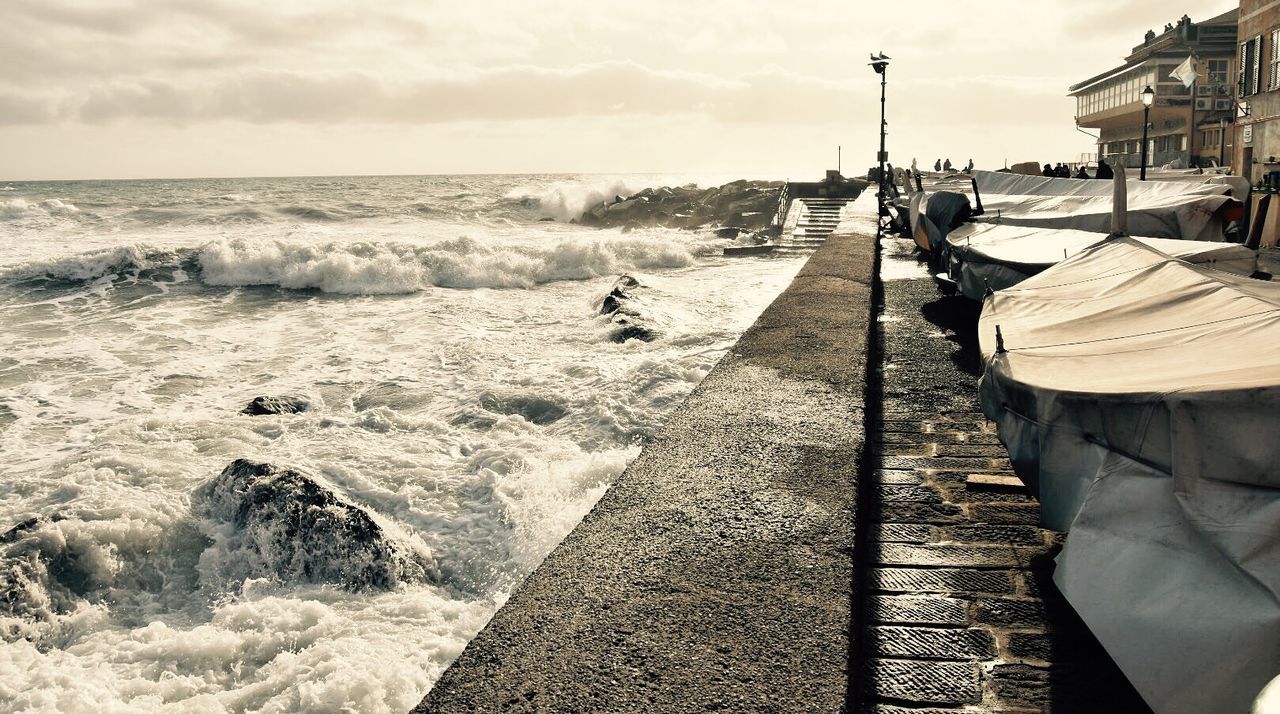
16,208
371,268
568,200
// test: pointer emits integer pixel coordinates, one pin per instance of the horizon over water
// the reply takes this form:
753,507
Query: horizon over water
465,392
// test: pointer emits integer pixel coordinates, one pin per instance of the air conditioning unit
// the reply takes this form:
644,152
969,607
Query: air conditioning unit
1204,105
1221,105
1203,91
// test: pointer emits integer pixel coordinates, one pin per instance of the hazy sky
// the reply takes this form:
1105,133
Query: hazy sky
141,88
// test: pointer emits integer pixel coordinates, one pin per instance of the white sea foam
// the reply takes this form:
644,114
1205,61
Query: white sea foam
474,425
383,269
567,200
23,208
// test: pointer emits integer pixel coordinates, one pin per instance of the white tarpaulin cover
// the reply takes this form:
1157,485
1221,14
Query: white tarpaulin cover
986,255
1139,398
1157,209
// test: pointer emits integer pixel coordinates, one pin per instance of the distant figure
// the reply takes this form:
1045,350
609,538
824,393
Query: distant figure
1147,38
1104,171
937,165
1082,174
969,168
946,165
1048,171
1062,171
915,169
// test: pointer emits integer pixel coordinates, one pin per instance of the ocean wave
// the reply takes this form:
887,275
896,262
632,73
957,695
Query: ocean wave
311,213
93,265
367,268
567,200
393,268
17,208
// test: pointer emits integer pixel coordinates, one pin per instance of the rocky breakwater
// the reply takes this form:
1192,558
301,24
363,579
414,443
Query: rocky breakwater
748,205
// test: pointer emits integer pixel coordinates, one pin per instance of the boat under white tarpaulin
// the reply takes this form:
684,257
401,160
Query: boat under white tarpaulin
1157,209
1139,398
982,256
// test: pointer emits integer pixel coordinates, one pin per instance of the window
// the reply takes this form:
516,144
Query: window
1273,76
1218,69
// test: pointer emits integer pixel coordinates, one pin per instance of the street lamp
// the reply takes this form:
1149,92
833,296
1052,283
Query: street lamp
881,64
1222,141
1148,97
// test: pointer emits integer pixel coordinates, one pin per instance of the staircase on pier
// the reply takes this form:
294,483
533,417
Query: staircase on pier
818,217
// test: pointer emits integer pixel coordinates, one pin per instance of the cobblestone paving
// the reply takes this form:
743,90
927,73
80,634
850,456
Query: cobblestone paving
959,611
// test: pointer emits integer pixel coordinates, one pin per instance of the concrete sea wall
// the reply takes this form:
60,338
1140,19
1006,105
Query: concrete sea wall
718,572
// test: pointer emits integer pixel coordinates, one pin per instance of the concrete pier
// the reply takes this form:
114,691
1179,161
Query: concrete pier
828,523
718,572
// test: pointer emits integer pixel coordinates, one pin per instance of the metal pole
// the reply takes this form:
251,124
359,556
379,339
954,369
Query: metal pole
838,166
1222,142
1146,111
882,156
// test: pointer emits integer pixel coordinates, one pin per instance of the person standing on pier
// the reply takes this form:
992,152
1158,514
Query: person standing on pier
1082,174
1104,171
969,169
937,165
946,165
1048,171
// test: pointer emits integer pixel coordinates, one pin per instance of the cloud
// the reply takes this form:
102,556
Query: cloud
512,92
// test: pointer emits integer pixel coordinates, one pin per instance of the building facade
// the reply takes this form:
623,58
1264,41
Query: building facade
1257,132
1188,125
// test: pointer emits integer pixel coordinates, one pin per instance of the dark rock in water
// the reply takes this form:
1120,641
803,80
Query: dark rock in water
629,331
534,409
729,232
40,577
276,405
613,302
621,304
291,526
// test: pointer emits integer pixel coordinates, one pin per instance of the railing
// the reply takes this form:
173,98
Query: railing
780,215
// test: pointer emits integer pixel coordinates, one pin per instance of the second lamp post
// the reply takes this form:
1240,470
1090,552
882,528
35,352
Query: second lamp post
1148,97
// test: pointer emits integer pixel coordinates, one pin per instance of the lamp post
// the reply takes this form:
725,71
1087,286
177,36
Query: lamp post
881,64
1222,141
1148,97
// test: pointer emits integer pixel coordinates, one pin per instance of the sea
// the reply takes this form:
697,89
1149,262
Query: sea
464,391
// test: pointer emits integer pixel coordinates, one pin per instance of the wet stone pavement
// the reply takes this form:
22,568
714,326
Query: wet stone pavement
959,610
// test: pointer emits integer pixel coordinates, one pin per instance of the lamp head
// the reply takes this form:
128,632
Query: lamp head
1148,96
879,63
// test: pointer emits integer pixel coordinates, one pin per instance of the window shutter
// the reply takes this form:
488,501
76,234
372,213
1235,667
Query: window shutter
1274,77
1241,82
1257,64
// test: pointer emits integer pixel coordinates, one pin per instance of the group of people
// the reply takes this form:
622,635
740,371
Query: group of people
1061,170
941,166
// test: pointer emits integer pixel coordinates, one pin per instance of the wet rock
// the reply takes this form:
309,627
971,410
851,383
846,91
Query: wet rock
537,410
625,315
40,577
276,405
292,526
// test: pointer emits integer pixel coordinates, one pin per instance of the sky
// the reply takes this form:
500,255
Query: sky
188,88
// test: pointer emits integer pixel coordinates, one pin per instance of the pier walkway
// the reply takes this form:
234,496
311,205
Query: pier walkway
826,524
959,610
